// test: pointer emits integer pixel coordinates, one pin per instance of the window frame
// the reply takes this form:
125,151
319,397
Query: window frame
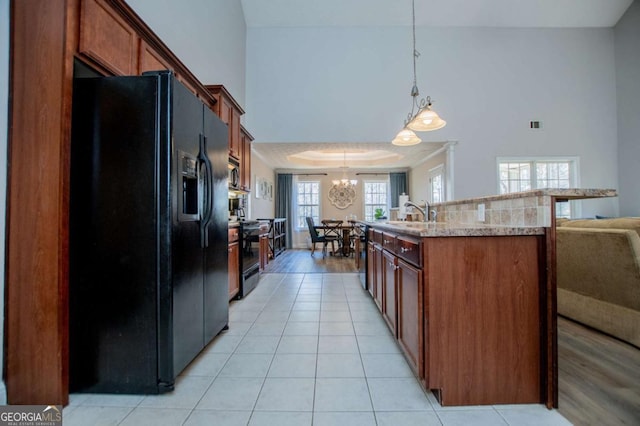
387,207
439,170
297,218
575,206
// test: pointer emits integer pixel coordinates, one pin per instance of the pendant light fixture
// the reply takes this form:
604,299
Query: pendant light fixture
425,119
345,181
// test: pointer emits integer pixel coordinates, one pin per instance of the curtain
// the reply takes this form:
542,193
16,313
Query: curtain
283,207
398,184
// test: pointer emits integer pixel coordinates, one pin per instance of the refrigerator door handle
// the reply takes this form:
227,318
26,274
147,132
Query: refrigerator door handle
209,200
206,193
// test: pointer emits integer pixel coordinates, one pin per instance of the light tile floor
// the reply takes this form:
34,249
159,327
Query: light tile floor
301,349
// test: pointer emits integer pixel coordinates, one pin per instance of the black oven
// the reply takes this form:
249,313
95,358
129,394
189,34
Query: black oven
249,256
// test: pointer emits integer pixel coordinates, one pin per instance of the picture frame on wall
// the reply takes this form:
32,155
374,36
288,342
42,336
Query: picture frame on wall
258,187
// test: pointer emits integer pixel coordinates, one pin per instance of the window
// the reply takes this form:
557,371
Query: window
436,184
307,202
375,196
525,174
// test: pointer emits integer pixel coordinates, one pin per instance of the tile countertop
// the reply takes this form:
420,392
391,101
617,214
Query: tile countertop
470,228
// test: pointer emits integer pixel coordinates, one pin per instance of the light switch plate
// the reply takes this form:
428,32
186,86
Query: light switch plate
480,212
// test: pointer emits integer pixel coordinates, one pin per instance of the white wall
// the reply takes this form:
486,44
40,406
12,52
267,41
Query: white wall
352,84
208,36
260,207
627,43
328,210
418,177
4,109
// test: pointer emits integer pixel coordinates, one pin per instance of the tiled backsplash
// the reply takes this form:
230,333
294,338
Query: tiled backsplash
525,211
519,209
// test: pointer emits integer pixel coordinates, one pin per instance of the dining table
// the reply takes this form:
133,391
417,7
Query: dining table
340,230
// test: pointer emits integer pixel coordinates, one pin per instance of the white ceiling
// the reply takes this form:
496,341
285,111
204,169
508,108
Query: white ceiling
441,13
276,155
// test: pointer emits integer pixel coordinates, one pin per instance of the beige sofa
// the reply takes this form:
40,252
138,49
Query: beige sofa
599,274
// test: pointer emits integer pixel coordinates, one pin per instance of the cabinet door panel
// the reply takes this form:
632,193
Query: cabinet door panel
234,269
411,315
379,291
371,269
389,262
150,60
245,160
107,39
234,134
264,251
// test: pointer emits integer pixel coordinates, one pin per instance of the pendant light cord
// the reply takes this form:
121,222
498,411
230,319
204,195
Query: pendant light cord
415,52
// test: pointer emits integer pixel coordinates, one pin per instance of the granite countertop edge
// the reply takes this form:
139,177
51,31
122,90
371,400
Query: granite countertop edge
445,229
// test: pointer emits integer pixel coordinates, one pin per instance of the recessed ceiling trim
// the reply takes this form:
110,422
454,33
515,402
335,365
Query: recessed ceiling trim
278,155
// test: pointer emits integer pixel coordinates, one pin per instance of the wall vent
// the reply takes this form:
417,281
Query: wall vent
535,125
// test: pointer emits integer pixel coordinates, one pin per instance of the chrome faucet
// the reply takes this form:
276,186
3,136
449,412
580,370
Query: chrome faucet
425,214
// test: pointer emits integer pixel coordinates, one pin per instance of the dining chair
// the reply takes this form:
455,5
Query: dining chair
317,238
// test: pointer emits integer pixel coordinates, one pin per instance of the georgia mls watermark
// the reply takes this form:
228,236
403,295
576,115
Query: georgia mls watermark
31,415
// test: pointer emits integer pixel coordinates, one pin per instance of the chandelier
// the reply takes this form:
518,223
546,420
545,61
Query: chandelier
345,181
424,119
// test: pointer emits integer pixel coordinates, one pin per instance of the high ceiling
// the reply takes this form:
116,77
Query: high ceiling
353,155
439,13
442,13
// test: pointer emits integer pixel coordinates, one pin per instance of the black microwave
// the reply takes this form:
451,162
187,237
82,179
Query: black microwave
234,176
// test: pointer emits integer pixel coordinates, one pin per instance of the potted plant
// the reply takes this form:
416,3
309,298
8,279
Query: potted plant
379,214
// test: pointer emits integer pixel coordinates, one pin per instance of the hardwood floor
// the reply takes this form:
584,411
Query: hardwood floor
301,261
599,376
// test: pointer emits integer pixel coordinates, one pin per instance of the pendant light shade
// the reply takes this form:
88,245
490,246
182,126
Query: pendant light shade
406,137
424,119
427,120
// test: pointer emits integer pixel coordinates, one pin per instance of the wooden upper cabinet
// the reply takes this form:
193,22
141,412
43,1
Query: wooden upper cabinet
245,166
229,112
150,59
107,39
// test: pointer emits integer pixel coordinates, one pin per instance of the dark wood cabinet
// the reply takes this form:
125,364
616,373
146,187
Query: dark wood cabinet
264,251
389,267
484,322
378,275
150,59
234,263
107,39
47,38
245,159
371,269
229,112
465,312
411,315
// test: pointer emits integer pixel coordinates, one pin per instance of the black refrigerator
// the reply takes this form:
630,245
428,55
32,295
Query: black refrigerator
148,232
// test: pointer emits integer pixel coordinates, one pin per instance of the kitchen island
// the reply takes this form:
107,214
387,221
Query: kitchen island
472,302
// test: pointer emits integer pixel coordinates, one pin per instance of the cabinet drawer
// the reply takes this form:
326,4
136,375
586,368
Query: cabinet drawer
389,242
377,237
233,234
409,249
